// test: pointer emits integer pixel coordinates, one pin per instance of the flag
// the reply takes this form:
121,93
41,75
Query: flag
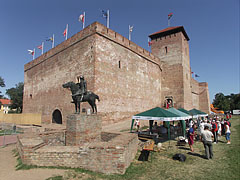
130,32
81,18
197,75
192,72
149,42
50,39
30,51
65,32
130,28
104,14
170,15
40,46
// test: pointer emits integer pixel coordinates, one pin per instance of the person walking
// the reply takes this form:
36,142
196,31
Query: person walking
228,132
191,135
219,129
206,138
215,131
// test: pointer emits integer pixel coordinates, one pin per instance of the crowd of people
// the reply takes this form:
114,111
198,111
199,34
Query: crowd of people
209,131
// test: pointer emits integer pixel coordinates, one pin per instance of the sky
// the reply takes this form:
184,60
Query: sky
212,26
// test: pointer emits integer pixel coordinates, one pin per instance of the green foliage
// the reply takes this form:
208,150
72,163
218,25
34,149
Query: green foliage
2,84
16,95
227,103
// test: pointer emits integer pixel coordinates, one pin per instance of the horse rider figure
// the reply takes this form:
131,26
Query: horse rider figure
82,87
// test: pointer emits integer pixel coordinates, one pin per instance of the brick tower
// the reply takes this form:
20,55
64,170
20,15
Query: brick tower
171,46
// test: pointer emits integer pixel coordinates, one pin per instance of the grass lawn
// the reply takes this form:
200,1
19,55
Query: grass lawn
224,165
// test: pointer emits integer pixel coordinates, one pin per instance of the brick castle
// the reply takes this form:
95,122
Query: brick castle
127,78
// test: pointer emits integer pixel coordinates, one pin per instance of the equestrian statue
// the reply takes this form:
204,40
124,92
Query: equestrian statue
80,94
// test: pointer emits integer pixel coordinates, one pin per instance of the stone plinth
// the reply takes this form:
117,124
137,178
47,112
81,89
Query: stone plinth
83,129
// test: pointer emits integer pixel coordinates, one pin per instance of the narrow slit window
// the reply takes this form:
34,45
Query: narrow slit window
119,64
166,49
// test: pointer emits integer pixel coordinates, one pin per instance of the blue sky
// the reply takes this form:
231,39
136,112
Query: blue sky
212,26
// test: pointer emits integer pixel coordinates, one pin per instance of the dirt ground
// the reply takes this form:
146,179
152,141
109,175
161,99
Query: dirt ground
8,172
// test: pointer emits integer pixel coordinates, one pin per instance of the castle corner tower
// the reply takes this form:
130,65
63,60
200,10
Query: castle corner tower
171,46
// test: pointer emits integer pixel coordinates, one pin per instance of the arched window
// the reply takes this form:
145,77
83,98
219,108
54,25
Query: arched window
57,117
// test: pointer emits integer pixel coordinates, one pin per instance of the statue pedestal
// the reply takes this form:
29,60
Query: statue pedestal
83,129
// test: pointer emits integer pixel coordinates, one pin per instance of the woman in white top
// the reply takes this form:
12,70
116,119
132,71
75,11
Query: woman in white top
228,132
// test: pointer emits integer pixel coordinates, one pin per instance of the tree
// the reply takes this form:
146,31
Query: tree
16,96
227,103
234,101
2,84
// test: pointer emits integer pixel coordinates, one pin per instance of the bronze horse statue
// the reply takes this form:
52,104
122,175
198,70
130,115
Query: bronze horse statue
89,97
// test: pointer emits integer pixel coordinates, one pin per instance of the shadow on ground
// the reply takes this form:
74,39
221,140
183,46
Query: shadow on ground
196,154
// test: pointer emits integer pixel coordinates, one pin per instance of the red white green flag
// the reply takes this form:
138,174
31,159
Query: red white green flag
170,15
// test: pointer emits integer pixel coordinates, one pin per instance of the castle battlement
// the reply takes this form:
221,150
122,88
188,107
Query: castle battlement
95,28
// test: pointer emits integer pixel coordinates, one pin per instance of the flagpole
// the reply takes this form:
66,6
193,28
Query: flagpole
129,35
108,18
84,19
53,41
42,47
33,53
66,31
168,22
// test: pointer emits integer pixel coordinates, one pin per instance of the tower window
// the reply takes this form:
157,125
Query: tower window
119,64
166,49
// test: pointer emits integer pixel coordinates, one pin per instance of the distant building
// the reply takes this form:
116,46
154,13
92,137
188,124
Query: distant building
127,78
5,105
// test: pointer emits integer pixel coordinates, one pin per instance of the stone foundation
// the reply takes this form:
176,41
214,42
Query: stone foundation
109,153
83,129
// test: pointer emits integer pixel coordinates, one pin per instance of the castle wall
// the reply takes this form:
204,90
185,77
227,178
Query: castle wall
204,100
195,93
172,84
188,101
168,48
43,77
173,49
126,79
